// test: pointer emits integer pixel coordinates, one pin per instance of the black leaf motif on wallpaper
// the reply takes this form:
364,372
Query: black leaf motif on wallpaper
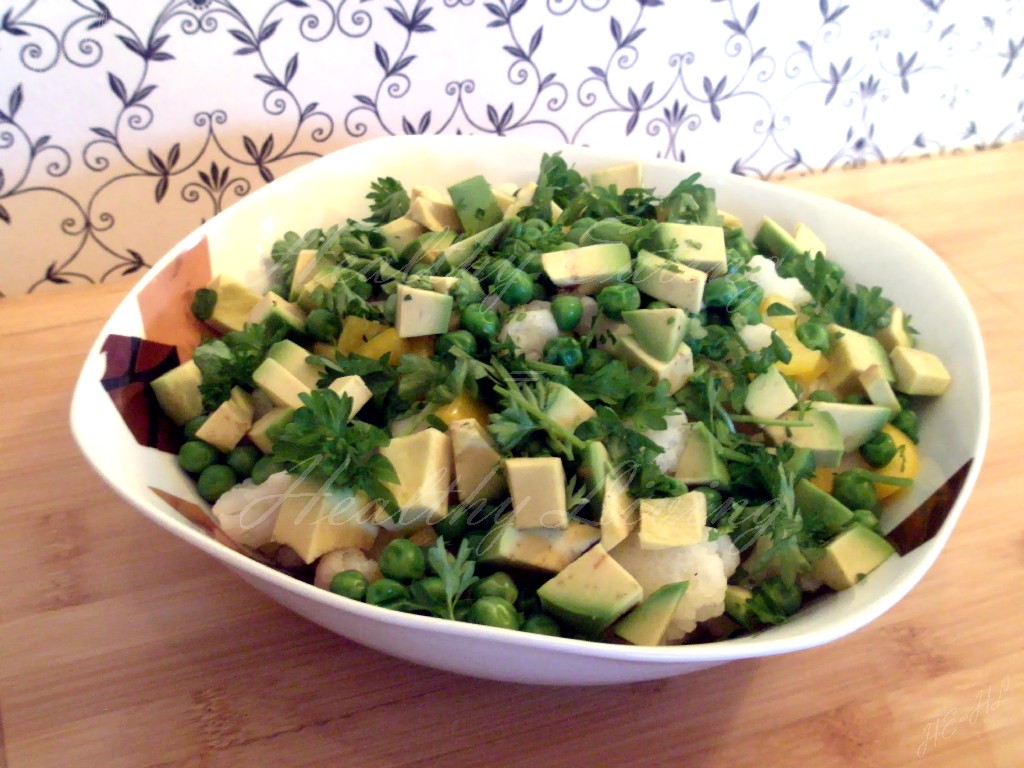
150,52
598,72
617,34
503,13
637,104
500,122
53,275
906,69
1012,52
8,25
411,129
298,3
103,133
835,77
742,29
651,3
933,5
164,168
136,263
267,31
261,155
308,110
714,93
535,40
248,44
829,16
14,102
5,217
414,22
118,87
217,178
947,31
103,15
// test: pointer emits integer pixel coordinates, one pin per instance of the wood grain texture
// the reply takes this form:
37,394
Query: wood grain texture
121,646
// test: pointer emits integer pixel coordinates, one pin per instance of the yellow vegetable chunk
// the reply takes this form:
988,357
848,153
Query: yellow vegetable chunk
905,464
357,331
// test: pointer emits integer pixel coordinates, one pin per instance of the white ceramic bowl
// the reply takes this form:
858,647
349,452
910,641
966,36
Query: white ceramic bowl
329,190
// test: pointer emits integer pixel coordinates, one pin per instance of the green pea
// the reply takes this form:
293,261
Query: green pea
429,591
243,459
720,292
402,560
823,396
192,426
564,351
264,468
568,311
195,456
748,310
814,336
879,449
854,490
385,591
498,584
203,303
481,322
658,305
542,624
713,497
531,263
539,224
906,422
323,325
613,300
515,287
215,481
855,399
595,359
494,612
461,339
474,541
453,525
351,584
540,293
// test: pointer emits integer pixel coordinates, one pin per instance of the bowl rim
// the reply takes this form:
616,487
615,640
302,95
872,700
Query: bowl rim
747,646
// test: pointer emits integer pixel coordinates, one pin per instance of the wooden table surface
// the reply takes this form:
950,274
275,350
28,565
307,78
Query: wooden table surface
122,646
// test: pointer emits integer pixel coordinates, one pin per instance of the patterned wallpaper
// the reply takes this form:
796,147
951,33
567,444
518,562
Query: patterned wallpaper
126,123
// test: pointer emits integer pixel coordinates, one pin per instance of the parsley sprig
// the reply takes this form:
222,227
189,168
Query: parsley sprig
388,200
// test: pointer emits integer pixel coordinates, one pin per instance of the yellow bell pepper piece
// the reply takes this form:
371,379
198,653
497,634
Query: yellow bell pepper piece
823,478
357,331
388,342
906,463
464,407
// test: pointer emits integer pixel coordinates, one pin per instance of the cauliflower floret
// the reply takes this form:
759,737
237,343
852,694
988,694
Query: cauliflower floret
530,327
347,559
706,565
762,271
672,441
757,336
247,513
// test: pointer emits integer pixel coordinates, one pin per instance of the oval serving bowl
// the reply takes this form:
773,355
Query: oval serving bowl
120,430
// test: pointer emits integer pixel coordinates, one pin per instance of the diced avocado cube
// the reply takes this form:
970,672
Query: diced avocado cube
537,487
819,433
442,284
313,522
659,332
357,331
227,425
676,371
673,522
607,491
524,198
591,592
433,210
292,358
475,204
566,408
426,248
504,194
234,303
695,245
856,423
282,387
541,549
306,266
878,390
895,334
478,472
355,388
589,268
177,392
851,556
399,232
648,622
769,395
462,253
423,464
730,220
919,372
675,284
419,312
807,241
820,510
324,278
272,304
851,354
772,239
623,177
266,429
699,463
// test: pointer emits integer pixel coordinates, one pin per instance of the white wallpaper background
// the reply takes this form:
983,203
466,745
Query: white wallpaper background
126,123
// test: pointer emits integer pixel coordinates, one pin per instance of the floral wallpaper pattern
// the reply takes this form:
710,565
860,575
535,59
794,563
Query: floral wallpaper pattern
125,124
